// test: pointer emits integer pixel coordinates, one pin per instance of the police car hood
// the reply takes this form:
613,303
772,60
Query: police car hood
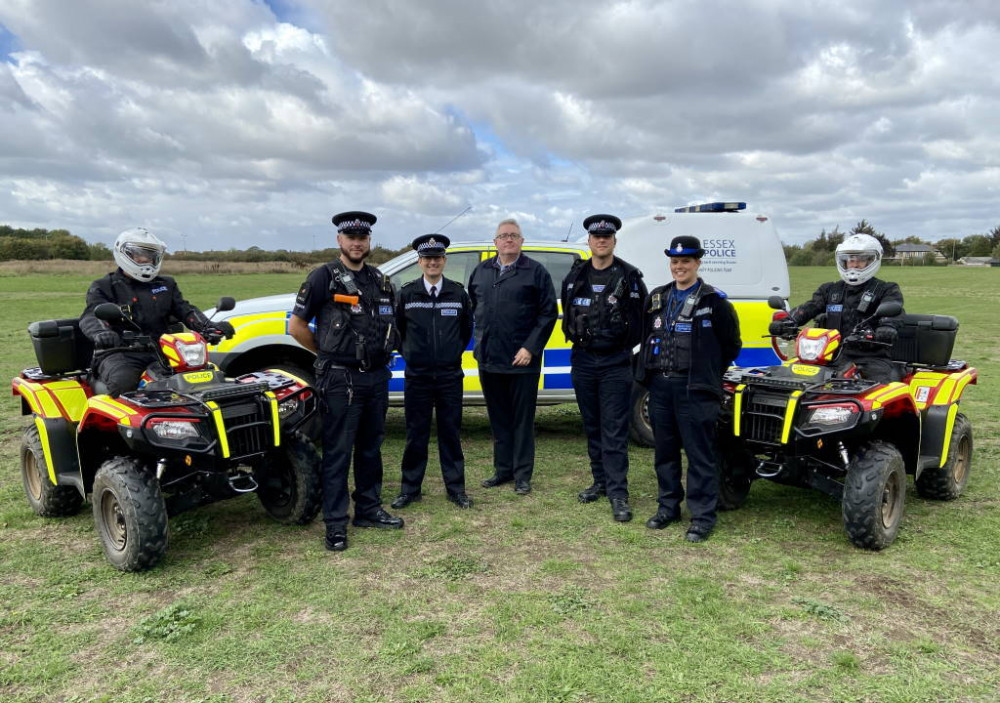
254,306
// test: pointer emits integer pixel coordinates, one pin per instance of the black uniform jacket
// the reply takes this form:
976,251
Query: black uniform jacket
823,302
433,335
631,300
714,346
152,305
512,310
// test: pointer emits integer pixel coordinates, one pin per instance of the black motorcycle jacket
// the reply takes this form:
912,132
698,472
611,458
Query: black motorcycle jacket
152,305
608,319
433,333
842,307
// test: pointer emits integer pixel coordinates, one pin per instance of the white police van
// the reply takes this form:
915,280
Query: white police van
743,257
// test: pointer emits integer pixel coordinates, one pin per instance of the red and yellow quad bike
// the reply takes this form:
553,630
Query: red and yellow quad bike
815,422
189,436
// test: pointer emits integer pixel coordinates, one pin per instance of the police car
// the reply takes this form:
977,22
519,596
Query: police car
743,257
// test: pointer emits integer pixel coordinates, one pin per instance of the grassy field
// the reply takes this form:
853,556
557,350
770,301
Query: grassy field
521,599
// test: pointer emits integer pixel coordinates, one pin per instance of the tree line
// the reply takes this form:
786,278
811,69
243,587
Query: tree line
820,251
40,244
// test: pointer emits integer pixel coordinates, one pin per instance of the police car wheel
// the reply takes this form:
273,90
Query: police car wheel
640,427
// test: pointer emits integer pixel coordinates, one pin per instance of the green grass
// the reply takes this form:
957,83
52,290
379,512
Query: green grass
520,599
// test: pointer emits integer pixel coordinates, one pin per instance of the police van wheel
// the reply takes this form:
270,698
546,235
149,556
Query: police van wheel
45,498
948,481
640,427
313,427
130,514
874,495
289,481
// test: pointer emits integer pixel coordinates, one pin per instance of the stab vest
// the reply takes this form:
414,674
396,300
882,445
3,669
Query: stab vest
358,334
835,306
596,321
668,346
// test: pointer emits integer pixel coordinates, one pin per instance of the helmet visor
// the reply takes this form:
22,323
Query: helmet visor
856,259
143,255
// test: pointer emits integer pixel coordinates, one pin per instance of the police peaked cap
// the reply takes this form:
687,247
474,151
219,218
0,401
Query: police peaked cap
430,244
354,222
602,225
685,245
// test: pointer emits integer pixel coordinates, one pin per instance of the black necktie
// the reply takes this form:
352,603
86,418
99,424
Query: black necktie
434,293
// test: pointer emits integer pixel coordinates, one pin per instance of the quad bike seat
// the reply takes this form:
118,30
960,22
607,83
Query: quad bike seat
60,347
927,340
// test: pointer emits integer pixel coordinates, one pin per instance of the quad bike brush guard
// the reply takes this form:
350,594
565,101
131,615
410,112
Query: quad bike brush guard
187,437
814,422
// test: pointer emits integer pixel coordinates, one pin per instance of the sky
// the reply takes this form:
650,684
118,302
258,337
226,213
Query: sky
236,123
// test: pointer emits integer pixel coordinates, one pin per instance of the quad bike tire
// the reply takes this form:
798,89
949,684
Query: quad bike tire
874,495
948,482
289,485
130,514
640,426
735,477
45,498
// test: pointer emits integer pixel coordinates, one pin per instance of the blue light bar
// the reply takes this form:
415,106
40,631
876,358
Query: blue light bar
713,207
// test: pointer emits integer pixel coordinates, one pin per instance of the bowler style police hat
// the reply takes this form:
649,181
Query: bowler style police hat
685,245
354,222
431,245
602,225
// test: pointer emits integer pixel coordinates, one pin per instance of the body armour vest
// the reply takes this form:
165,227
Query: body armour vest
596,319
668,347
355,325
835,317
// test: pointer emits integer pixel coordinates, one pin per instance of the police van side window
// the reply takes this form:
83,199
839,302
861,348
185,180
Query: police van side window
558,263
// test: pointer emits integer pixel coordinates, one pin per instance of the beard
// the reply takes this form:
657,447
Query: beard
355,259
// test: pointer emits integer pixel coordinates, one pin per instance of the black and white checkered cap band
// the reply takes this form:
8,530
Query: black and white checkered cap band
354,224
602,226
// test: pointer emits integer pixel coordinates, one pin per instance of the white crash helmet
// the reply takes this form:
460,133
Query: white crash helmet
139,253
859,247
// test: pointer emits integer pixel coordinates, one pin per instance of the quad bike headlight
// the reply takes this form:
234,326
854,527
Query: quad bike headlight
174,429
810,349
832,415
287,407
193,354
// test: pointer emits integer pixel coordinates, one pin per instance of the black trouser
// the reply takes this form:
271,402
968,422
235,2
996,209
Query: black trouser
354,407
510,404
683,418
441,394
121,371
604,394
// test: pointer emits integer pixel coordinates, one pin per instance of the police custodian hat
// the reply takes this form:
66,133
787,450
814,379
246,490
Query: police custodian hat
354,222
602,225
431,244
685,245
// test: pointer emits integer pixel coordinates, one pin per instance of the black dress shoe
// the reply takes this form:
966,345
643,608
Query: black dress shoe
495,480
589,495
522,488
621,510
697,533
336,539
661,520
379,518
460,499
404,499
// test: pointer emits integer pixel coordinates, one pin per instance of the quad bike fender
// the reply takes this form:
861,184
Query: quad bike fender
64,399
58,440
935,436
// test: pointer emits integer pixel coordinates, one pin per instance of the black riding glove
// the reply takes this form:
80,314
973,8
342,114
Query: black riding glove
783,327
886,334
107,339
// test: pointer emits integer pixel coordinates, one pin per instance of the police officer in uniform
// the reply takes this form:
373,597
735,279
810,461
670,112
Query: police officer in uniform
434,315
691,336
148,299
602,301
353,305
843,304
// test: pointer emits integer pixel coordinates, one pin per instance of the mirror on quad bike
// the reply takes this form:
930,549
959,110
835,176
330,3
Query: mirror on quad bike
225,304
889,308
109,312
777,303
